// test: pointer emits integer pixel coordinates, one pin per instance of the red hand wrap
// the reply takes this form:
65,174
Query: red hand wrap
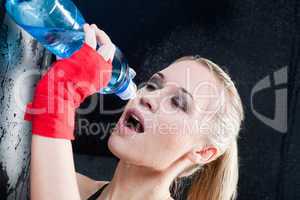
63,88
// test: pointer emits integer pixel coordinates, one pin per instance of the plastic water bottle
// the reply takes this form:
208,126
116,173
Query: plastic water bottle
58,26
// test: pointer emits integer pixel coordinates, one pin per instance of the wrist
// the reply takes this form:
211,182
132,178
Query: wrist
63,88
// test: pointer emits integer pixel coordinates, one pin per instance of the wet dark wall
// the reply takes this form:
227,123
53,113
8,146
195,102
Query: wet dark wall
257,42
21,61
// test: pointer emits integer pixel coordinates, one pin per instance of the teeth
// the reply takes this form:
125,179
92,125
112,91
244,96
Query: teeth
135,117
133,122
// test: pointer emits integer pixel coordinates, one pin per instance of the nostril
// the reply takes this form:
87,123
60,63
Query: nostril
146,103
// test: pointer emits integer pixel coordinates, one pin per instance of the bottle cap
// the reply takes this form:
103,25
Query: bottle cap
130,91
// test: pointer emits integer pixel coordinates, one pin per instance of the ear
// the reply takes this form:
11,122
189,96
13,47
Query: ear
203,155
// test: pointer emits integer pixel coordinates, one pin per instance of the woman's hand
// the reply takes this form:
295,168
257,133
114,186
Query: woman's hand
96,37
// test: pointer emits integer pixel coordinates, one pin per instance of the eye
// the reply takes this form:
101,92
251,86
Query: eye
151,86
179,102
154,83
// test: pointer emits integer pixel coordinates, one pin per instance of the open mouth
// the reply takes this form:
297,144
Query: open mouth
134,121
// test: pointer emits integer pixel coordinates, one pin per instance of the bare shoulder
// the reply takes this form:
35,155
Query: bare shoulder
88,186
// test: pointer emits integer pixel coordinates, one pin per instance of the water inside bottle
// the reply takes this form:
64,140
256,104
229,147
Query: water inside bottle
60,41
56,24
120,72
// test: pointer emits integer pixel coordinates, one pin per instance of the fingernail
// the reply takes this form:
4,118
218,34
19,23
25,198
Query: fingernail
94,26
85,26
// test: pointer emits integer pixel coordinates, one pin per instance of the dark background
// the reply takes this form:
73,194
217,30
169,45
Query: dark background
251,39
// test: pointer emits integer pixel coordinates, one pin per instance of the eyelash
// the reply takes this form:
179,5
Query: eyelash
151,86
179,102
175,100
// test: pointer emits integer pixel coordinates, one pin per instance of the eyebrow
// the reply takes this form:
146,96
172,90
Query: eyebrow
185,91
162,76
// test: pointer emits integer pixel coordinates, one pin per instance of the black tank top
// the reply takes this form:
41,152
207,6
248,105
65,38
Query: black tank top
98,193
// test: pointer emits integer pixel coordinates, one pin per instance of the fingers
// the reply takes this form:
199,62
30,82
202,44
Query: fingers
107,51
94,35
90,35
102,37
107,48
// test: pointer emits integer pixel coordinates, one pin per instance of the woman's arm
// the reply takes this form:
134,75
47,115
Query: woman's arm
52,174
58,185
52,167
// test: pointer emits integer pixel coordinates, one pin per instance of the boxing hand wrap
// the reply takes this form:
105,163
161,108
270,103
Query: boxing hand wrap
61,90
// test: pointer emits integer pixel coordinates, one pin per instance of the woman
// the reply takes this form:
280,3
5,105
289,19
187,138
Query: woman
184,121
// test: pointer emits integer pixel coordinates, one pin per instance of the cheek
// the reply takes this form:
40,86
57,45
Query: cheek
156,151
127,149
161,145
165,150
170,142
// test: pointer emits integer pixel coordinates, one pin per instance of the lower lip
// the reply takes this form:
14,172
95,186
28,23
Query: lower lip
125,130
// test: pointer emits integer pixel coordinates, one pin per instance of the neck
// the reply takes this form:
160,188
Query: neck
131,182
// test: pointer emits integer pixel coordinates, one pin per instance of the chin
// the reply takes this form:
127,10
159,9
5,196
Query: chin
120,148
113,145
124,141
114,142
126,152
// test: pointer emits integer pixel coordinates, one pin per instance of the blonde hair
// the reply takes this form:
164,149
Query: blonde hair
218,179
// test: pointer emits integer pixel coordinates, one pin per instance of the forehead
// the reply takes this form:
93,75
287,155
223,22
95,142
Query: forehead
198,80
195,77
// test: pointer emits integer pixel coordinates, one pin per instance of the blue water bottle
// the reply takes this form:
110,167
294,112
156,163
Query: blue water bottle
58,26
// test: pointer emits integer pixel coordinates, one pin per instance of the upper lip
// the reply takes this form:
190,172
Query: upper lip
137,113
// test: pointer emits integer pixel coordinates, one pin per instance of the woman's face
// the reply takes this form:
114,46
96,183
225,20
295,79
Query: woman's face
167,118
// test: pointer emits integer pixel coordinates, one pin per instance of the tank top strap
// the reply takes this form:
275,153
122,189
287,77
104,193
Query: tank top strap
98,193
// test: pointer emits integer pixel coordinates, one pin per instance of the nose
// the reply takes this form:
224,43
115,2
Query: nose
149,103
